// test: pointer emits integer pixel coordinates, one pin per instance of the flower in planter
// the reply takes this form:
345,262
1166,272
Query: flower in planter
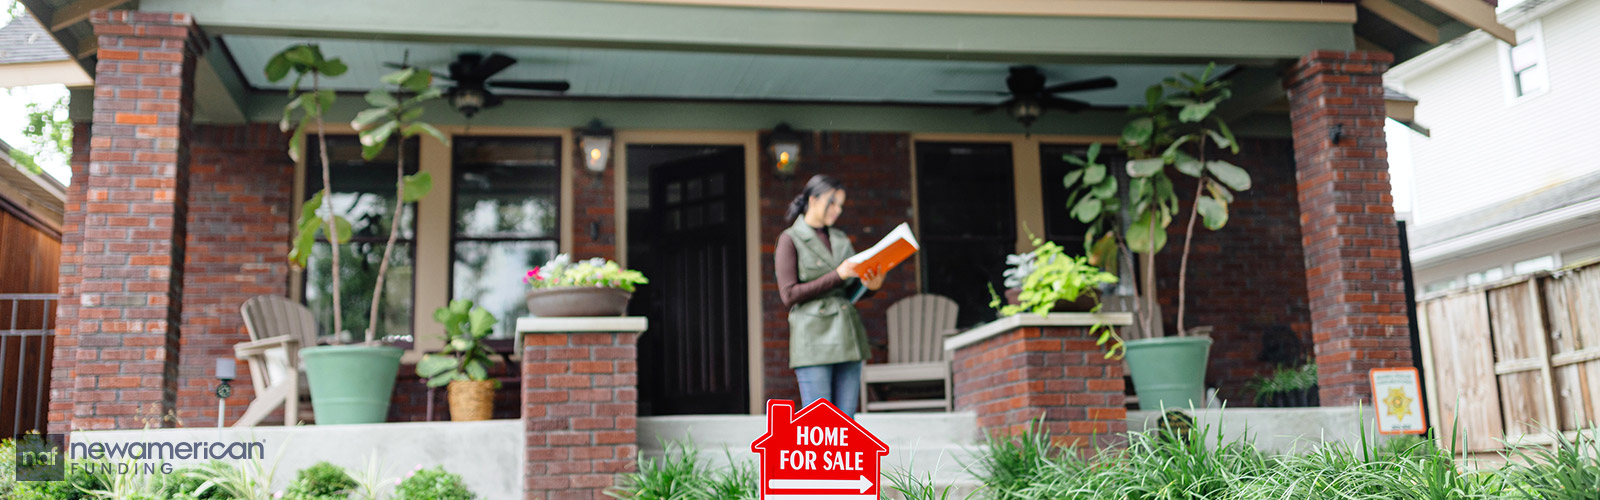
595,272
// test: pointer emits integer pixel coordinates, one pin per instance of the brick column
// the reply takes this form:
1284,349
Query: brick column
129,263
1352,247
1023,370
64,363
579,404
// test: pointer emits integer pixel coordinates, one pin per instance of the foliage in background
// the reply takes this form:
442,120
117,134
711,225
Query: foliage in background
1053,275
321,481
1284,381
1174,127
680,474
48,130
432,484
465,355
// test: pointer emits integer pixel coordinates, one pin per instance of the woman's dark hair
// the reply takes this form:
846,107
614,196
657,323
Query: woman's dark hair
818,185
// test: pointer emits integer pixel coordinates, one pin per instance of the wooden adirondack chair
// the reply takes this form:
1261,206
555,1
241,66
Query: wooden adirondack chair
917,327
278,329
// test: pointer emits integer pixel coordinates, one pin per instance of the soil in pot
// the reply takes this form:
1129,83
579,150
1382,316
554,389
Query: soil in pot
471,400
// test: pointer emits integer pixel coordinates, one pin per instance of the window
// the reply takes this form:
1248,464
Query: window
507,198
1439,286
363,193
1545,263
1529,75
968,222
1485,276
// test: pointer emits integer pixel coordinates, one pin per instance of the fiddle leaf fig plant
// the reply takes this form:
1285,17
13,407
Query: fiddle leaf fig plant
1173,131
465,355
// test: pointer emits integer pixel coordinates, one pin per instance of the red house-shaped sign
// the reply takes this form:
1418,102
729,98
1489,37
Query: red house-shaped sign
817,454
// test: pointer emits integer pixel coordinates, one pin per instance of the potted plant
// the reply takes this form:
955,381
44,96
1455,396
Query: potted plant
1174,128
351,383
464,362
594,287
1287,388
1046,277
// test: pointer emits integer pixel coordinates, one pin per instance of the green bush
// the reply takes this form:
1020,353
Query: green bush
321,481
681,475
432,484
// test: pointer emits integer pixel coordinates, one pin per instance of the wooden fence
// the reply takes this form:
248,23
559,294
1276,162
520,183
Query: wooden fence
1513,361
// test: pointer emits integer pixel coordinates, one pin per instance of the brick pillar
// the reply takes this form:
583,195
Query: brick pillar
129,264
64,361
579,407
594,218
1352,247
1024,371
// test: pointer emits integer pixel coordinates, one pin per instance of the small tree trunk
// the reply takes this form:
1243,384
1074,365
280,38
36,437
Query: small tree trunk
394,234
1188,235
329,227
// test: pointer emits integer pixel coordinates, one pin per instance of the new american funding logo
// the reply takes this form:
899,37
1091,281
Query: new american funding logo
48,457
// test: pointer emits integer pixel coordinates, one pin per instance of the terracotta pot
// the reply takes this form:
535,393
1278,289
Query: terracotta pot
471,400
578,301
1085,302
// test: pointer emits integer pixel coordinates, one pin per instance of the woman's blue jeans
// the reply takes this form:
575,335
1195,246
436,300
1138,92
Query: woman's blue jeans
839,382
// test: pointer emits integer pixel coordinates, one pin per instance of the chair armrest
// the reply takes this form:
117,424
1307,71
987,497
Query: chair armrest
255,347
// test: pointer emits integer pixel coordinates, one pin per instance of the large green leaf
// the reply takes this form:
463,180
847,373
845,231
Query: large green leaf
460,306
416,186
1087,209
341,230
1138,131
296,143
1139,234
461,343
1145,168
482,322
1105,189
476,370
1222,141
442,380
308,210
1094,152
365,119
434,364
334,67
1219,192
1229,174
1195,112
304,240
1187,164
1074,160
278,67
443,316
395,78
378,134
324,101
1152,95
418,81
1071,179
421,127
381,98
1104,253
1094,174
302,55
1226,133
1215,212
1172,149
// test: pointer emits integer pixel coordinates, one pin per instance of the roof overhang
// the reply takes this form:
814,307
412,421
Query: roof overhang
69,73
1503,235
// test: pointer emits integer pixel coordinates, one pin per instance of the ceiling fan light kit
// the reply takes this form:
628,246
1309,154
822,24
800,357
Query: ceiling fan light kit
471,92
1029,95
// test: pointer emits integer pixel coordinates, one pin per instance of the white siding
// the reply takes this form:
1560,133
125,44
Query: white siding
1486,146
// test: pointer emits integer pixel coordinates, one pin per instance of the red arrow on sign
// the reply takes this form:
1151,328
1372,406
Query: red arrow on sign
817,454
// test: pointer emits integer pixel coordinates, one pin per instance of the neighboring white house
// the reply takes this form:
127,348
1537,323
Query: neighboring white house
1508,182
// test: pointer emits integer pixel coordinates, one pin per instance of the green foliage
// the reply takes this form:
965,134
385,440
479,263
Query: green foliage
680,474
596,272
432,484
48,128
1570,470
465,355
1047,274
321,481
1283,381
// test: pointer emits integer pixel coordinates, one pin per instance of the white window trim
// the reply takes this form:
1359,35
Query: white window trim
1534,30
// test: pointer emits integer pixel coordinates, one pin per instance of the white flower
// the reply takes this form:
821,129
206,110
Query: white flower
279,494
397,481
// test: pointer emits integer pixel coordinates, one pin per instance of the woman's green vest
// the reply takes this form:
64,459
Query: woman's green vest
826,329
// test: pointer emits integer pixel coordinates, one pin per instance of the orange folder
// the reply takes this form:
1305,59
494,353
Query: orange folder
895,247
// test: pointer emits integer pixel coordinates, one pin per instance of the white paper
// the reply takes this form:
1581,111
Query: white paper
902,231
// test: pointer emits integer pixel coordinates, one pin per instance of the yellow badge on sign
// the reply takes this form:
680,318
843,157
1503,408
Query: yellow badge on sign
1399,404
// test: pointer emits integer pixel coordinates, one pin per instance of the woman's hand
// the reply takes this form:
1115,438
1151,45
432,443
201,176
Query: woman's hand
874,280
847,270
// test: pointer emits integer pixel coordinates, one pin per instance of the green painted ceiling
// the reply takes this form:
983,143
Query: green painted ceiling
632,73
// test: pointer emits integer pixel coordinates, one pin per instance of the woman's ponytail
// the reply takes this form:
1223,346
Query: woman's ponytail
818,185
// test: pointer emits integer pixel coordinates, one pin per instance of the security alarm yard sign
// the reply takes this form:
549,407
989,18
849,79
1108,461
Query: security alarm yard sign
818,454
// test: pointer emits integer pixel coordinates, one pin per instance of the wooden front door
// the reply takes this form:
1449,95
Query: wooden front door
693,359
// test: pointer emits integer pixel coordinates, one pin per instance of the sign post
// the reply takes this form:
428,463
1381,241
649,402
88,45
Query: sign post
817,454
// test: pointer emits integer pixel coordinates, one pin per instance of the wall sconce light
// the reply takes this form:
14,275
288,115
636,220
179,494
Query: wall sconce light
595,142
785,148
1336,133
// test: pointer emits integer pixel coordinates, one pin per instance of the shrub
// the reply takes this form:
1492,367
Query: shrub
432,484
321,481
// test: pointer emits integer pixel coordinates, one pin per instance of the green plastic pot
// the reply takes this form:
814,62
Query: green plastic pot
351,384
1169,372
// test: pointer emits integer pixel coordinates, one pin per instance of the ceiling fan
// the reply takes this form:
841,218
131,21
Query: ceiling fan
471,73
1030,96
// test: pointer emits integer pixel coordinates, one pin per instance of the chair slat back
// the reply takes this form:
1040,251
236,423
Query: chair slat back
267,316
916,328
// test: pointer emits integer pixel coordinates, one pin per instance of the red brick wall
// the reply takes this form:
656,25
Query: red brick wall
239,227
1057,373
876,172
579,410
594,206
1352,247
1246,280
125,271
64,360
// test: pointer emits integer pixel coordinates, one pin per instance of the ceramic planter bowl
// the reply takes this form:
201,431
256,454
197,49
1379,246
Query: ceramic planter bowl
565,301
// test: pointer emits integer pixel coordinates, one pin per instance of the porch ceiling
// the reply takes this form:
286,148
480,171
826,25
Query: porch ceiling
633,73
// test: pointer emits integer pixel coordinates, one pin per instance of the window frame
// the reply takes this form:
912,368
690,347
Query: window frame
1531,32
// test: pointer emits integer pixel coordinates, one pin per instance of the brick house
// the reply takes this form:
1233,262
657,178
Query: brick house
182,197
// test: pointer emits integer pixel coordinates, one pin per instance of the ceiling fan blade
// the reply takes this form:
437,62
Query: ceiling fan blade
402,66
1069,105
1000,93
550,85
1104,82
496,63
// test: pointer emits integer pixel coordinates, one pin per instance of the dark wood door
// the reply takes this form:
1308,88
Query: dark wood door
693,359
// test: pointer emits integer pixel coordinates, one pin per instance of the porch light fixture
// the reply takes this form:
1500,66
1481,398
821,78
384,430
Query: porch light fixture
785,148
595,142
